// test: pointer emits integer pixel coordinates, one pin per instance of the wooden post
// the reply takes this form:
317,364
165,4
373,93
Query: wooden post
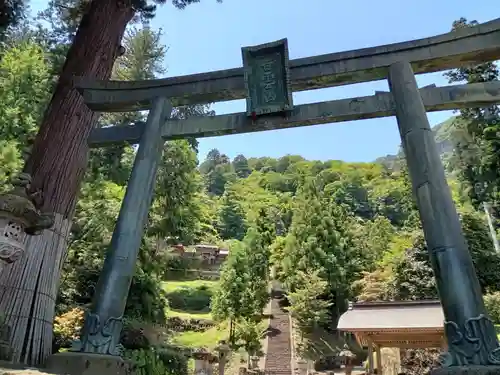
379,360
370,356
471,335
103,323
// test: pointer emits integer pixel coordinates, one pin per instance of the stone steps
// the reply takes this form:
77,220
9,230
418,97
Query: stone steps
279,355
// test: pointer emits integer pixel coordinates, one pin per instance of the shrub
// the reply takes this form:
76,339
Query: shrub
190,299
419,361
153,360
146,300
492,304
67,328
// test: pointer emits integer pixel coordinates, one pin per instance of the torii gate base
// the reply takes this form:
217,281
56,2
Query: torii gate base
473,347
78,363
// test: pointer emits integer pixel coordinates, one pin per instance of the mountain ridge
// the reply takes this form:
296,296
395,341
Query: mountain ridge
443,134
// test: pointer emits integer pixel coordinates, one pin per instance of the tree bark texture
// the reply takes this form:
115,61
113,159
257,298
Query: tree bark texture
28,287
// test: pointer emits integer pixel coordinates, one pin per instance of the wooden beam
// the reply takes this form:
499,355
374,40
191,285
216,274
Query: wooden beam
466,46
381,338
379,105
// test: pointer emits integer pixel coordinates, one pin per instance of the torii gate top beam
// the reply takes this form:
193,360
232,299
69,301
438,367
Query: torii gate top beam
467,46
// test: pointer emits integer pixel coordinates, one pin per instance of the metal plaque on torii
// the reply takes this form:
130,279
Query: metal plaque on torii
267,78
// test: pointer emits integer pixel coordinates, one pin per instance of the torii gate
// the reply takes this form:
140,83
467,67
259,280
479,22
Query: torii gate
267,80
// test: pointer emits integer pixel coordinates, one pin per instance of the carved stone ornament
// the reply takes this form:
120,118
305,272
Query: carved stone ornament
471,345
19,217
100,336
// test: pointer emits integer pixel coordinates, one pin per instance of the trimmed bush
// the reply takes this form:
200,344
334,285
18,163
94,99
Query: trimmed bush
190,299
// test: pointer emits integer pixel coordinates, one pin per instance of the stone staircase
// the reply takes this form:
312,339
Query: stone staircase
279,352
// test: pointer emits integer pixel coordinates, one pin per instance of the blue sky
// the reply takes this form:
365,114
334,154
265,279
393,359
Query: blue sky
209,36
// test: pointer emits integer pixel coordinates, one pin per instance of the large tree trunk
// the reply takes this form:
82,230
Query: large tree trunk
28,288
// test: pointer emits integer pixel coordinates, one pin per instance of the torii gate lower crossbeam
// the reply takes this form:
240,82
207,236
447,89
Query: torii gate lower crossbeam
375,106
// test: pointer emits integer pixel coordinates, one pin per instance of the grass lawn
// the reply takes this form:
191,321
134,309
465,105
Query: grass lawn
170,286
209,339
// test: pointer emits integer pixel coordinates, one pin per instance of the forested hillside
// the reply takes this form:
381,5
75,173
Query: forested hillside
444,133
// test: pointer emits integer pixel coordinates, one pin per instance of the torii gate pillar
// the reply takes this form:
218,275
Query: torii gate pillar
98,349
471,336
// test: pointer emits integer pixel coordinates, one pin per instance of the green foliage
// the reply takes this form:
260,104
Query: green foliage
492,304
242,291
257,271
413,278
306,303
146,299
248,335
320,241
486,259
217,171
374,238
10,161
374,286
24,91
231,222
277,256
412,274
178,212
476,136
67,328
157,361
240,166
11,14
190,299
175,213
24,76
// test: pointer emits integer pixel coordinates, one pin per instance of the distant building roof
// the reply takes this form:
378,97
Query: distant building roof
208,247
395,324
369,316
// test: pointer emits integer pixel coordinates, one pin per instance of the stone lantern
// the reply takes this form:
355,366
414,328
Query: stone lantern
223,349
202,365
19,218
347,357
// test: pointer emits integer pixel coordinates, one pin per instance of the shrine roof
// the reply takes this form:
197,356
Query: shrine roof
206,247
392,316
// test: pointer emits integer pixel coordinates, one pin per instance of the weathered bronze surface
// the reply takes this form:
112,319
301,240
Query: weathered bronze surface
267,78
103,323
379,105
470,334
464,47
